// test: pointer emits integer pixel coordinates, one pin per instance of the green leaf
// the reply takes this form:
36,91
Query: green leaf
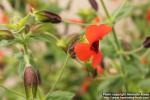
20,24
6,42
112,84
60,95
145,84
42,37
122,12
40,93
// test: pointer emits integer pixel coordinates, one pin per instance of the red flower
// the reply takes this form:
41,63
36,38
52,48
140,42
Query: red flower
85,85
97,20
99,70
75,20
3,19
84,51
2,54
148,15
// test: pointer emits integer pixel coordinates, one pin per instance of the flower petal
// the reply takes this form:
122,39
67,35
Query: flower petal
83,51
148,15
92,33
97,57
104,30
99,70
85,85
95,33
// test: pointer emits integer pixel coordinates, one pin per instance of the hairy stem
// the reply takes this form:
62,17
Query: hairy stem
52,35
60,73
133,51
113,29
115,37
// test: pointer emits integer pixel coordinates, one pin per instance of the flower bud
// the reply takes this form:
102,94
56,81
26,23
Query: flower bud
146,43
94,4
62,44
29,76
27,28
31,81
148,15
38,77
46,16
36,82
71,43
71,51
5,34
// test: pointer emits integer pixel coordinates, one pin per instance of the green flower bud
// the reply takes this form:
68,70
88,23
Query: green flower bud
62,44
5,34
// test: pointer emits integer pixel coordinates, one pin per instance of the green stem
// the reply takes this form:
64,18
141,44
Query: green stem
60,73
133,51
40,95
28,91
115,36
116,39
105,9
14,92
52,35
17,4
26,54
146,53
113,29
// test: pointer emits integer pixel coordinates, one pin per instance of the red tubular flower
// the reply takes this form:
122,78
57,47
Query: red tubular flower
75,20
99,70
84,51
148,15
2,54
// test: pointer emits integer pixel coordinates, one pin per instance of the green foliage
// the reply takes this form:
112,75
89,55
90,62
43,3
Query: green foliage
60,95
123,12
126,69
144,84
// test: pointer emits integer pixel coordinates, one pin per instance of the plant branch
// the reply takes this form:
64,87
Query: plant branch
26,54
60,73
133,51
113,29
52,35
